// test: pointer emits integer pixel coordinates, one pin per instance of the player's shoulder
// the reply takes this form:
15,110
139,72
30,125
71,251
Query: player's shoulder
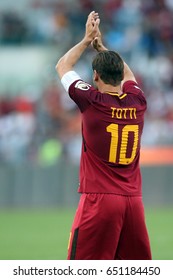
134,92
131,87
82,88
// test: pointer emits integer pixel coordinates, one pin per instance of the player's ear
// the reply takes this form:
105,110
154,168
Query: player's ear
95,76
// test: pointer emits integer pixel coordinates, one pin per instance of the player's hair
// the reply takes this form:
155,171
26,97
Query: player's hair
110,67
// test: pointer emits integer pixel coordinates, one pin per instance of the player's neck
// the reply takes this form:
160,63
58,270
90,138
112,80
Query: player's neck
104,88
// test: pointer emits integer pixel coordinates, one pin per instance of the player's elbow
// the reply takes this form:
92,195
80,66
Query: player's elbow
60,67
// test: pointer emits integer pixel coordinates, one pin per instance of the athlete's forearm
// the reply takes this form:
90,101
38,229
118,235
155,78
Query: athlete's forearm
98,44
128,74
67,62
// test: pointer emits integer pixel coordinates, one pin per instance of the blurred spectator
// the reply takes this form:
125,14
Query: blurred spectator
17,125
6,106
14,29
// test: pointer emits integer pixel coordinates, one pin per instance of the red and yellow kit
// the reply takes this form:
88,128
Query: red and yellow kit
109,222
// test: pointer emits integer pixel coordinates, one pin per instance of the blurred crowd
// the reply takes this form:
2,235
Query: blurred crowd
43,130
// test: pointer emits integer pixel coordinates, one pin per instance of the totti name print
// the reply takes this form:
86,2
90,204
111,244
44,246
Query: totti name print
123,113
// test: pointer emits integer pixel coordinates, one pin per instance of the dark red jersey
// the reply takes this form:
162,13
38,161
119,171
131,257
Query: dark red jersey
111,129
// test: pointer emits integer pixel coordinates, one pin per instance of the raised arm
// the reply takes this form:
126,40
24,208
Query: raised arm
67,62
99,46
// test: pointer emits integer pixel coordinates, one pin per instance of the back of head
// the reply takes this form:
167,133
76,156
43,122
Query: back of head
109,66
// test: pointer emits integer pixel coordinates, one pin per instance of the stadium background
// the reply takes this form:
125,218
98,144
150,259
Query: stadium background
40,126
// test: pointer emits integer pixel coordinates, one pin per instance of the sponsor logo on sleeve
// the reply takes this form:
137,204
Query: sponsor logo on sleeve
82,85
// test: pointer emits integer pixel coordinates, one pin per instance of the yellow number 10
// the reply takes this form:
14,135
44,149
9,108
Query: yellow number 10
113,129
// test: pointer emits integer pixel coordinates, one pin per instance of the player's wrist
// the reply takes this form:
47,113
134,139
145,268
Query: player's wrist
98,45
101,48
87,41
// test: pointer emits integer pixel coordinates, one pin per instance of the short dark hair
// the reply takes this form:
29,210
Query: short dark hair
110,67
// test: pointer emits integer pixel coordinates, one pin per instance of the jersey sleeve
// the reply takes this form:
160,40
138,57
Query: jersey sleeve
83,94
132,87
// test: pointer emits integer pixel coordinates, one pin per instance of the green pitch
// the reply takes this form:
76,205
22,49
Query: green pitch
43,234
